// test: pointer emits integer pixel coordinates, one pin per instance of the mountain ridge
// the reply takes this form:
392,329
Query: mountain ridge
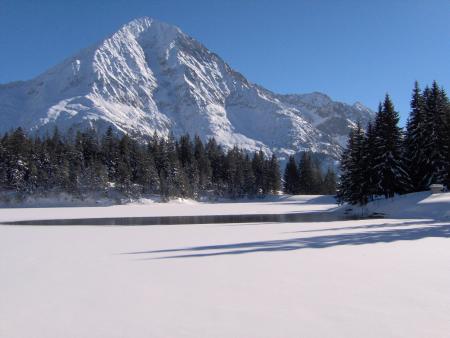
150,77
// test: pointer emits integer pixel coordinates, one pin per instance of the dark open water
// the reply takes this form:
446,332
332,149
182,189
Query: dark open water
207,219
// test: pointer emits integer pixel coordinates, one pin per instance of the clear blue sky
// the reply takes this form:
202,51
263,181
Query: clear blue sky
353,50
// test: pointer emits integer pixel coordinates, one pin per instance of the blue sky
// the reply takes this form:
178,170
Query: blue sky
352,50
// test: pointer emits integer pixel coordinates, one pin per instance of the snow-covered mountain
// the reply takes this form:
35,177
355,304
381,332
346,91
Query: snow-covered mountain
149,76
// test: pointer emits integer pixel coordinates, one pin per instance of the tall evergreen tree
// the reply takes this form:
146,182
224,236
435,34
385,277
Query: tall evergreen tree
291,177
360,177
204,166
345,179
110,153
273,175
354,183
235,173
307,178
216,157
393,178
329,183
249,177
371,154
416,142
259,171
437,148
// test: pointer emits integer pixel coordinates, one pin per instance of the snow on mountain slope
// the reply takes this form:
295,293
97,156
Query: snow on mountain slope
151,77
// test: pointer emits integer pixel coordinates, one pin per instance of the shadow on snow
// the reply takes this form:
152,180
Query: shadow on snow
428,228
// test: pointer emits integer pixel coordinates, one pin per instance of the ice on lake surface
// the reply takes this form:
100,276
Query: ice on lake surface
204,219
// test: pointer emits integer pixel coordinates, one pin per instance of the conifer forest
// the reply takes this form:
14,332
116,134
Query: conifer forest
380,159
385,160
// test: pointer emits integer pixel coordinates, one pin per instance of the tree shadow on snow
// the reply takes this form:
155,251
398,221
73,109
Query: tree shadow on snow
367,226
427,229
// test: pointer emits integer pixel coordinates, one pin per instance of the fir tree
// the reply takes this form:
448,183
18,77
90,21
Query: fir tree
329,183
110,153
291,177
359,188
235,173
249,177
309,177
437,148
416,140
371,154
203,164
388,164
259,171
273,175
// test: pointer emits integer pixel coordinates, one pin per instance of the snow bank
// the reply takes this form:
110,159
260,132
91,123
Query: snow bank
414,205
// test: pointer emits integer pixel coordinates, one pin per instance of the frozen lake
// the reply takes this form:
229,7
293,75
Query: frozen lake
348,278
204,219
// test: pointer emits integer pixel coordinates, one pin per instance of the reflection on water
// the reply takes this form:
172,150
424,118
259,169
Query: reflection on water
207,219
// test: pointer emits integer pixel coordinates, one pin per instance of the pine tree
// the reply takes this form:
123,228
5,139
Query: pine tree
359,189
354,182
371,153
329,183
291,177
176,180
109,147
234,173
124,170
249,177
273,175
446,138
149,178
415,146
393,178
204,166
3,163
17,150
259,172
216,157
317,175
345,179
308,175
437,148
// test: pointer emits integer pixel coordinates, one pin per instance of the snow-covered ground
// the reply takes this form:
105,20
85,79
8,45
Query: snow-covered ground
367,278
148,208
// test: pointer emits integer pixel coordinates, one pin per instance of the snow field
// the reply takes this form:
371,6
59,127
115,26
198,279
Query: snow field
364,278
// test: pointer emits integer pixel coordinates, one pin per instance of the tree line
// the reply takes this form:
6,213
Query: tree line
385,160
89,162
307,178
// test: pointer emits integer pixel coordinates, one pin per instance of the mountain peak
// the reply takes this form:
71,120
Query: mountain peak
143,25
151,77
